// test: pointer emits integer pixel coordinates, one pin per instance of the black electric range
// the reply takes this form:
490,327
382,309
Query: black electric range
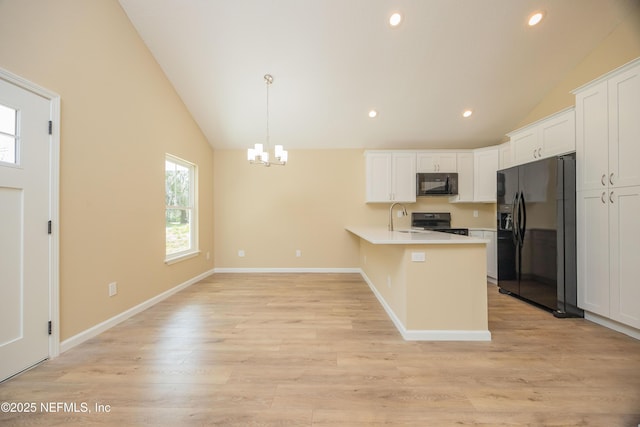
436,221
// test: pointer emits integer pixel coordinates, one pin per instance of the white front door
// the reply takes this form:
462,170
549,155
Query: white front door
24,239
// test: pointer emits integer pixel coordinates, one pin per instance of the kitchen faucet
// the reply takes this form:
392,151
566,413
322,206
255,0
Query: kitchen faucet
404,213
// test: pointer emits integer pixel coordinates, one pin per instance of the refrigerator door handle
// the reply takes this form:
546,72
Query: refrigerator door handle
514,220
522,228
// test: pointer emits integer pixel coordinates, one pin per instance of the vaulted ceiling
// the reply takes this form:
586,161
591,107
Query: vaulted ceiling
334,60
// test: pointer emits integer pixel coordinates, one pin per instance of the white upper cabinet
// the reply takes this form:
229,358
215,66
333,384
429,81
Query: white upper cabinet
391,176
624,128
608,131
525,145
465,178
485,166
592,135
505,155
436,161
548,137
558,134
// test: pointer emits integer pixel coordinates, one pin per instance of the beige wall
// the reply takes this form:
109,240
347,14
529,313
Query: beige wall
618,48
119,117
272,212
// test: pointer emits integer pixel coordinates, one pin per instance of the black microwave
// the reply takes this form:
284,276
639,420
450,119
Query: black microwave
436,184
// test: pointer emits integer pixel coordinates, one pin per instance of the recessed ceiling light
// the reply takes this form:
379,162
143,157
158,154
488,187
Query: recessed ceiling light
395,19
535,18
467,113
373,114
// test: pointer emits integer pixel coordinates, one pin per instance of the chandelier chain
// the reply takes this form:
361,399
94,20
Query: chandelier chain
268,79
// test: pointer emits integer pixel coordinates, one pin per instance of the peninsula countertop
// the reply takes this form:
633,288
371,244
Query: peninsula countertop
382,236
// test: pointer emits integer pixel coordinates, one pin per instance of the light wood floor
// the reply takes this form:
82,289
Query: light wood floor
318,349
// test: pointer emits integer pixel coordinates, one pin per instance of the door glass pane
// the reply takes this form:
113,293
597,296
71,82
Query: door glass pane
7,149
8,134
7,120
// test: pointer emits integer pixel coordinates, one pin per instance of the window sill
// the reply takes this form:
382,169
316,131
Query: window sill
182,257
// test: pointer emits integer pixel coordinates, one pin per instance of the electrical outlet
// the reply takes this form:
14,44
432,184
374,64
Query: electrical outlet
298,253
241,253
418,257
113,288
475,214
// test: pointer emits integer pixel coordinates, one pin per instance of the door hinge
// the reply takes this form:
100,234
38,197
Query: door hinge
50,127
49,227
50,326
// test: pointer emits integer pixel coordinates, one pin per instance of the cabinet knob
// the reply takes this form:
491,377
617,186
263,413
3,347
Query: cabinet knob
602,180
534,154
602,198
611,197
611,178
540,152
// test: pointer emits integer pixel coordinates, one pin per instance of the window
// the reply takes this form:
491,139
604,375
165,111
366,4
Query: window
8,135
180,213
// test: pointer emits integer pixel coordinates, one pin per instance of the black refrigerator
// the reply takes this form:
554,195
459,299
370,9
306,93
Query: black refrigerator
536,222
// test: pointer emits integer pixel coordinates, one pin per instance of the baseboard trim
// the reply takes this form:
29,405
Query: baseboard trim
110,323
286,270
425,335
612,324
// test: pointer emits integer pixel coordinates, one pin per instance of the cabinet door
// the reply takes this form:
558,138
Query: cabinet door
558,135
378,177
592,134
525,146
426,162
505,155
624,257
485,167
624,129
465,177
403,183
447,162
593,251
436,162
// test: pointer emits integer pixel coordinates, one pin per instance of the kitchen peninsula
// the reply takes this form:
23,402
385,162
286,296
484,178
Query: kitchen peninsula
433,285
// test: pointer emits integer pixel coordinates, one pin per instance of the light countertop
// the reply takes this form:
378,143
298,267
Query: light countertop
382,236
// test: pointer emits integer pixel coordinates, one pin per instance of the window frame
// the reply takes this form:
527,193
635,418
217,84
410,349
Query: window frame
192,207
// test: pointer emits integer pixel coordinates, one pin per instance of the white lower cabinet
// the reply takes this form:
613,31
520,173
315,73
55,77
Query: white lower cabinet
608,250
492,257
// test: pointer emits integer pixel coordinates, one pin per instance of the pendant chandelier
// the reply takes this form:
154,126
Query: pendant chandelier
257,155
